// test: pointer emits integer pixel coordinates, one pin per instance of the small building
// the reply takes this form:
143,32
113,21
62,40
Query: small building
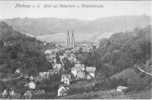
31,85
4,93
12,92
61,59
74,71
39,92
90,72
48,52
78,72
17,71
80,75
28,94
88,77
66,79
79,66
121,88
86,49
57,67
44,75
75,50
72,58
62,91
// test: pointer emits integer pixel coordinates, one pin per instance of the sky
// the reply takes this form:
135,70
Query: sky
110,8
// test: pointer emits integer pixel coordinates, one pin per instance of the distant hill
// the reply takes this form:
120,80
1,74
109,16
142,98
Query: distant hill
48,26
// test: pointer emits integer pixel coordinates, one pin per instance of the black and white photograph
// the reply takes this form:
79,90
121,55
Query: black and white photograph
73,49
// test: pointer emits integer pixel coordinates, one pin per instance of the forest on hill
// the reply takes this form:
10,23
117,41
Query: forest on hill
121,50
18,51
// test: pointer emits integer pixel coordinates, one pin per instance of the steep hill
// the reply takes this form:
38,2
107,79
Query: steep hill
20,51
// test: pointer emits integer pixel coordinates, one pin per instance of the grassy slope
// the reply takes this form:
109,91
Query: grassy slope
145,94
100,94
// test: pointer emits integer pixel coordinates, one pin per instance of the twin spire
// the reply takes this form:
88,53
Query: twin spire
70,39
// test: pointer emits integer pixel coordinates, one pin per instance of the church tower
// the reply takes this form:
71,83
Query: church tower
70,39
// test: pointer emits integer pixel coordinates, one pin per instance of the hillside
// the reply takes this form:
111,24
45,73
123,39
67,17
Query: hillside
117,60
47,26
18,51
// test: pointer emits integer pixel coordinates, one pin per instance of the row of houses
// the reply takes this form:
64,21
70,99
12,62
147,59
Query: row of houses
77,72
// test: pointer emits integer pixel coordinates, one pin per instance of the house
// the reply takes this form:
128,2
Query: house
4,93
67,52
31,77
17,71
12,92
50,54
57,67
61,59
79,66
121,88
27,94
39,92
66,79
90,72
62,91
76,50
88,77
80,75
31,85
44,75
72,58
78,72
86,49
74,71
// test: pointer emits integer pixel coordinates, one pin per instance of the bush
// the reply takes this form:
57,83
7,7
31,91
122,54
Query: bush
137,83
113,83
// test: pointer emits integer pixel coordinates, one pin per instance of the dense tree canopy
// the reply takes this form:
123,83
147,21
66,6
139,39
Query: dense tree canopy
20,51
121,50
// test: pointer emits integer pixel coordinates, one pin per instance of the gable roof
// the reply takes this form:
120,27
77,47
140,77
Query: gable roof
90,69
